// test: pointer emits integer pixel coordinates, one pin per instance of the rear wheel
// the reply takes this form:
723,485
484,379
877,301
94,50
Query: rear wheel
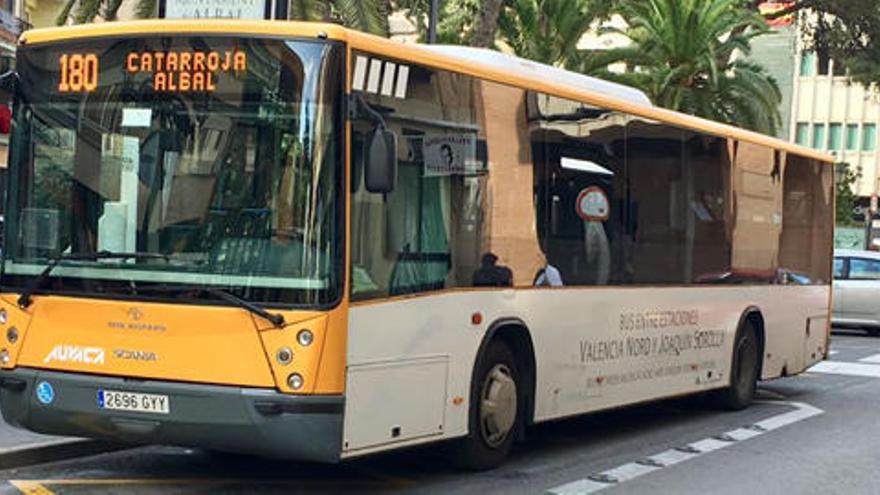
494,410
744,371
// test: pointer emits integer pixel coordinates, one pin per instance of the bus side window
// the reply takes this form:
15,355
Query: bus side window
425,235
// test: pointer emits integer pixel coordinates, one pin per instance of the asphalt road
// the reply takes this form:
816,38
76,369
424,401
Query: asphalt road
815,433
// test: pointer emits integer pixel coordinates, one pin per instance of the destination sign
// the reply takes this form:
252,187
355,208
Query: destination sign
186,71
171,71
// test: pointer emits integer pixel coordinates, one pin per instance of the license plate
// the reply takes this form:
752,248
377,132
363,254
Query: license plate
133,401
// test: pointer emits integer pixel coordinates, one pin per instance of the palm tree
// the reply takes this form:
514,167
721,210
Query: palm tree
83,11
486,24
366,15
461,22
548,31
689,55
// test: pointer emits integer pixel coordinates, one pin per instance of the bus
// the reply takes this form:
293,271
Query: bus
301,241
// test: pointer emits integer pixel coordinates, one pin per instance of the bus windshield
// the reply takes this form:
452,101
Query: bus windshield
222,155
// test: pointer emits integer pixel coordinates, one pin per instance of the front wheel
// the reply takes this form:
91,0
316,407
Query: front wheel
494,410
744,371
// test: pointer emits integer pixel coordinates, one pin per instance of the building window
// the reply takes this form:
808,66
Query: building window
869,137
852,137
824,65
819,136
802,134
835,135
808,63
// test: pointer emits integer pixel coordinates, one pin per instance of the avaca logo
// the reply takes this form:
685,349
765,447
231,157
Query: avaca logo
75,354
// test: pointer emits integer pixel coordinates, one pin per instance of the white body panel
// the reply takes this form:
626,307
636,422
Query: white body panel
595,347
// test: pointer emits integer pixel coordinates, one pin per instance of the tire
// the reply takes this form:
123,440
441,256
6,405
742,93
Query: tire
494,413
744,371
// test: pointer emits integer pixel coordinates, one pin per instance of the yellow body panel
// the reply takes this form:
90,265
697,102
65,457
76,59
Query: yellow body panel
17,319
179,342
188,343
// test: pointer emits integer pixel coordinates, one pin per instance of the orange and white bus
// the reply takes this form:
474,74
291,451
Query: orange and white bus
302,241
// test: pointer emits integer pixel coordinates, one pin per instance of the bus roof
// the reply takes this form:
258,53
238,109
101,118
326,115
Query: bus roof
476,62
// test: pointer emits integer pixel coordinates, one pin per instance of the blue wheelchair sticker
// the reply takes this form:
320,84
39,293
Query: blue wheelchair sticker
45,393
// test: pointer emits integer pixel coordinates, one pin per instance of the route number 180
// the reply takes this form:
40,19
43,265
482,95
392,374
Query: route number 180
79,72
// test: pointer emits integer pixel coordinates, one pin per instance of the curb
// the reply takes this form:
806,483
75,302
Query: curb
55,450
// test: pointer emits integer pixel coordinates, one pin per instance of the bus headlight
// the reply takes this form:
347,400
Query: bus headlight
4,357
12,335
3,317
305,338
295,381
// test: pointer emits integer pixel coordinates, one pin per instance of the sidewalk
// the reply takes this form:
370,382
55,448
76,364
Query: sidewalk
21,447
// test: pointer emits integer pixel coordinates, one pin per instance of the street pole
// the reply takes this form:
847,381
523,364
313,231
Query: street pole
432,22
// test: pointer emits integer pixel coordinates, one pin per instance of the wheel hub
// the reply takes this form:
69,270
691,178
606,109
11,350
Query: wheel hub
498,405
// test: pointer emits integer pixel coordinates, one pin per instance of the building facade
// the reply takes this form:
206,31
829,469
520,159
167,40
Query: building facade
833,114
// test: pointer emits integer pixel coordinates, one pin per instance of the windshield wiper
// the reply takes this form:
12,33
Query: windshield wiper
24,300
274,318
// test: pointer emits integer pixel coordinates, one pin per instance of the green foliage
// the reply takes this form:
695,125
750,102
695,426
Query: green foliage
369,16
456,18
845,177
110,9
687,56
146,9
65,13
308,10
847,31
548,31
85,11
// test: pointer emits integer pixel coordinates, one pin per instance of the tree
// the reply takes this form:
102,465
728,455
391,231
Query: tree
461,22
845,177
83,11
366,15
548,31
486,24
847,31
688,55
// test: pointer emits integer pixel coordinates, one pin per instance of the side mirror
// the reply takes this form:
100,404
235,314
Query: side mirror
380,174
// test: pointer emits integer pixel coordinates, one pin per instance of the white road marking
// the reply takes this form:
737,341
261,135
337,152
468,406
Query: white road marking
670,457
741,434
632,470
842,368
871,359
802,412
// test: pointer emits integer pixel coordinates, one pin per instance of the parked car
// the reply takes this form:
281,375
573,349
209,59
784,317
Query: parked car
856,293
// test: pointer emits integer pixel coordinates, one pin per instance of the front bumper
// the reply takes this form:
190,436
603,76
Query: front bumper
256,421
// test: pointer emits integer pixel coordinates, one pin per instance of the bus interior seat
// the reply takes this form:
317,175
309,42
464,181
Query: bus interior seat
419,272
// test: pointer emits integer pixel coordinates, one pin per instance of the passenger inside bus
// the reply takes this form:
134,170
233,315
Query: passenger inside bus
491,274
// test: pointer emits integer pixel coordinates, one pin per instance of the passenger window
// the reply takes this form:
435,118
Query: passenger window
426,234
863,269
578,156
838,268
